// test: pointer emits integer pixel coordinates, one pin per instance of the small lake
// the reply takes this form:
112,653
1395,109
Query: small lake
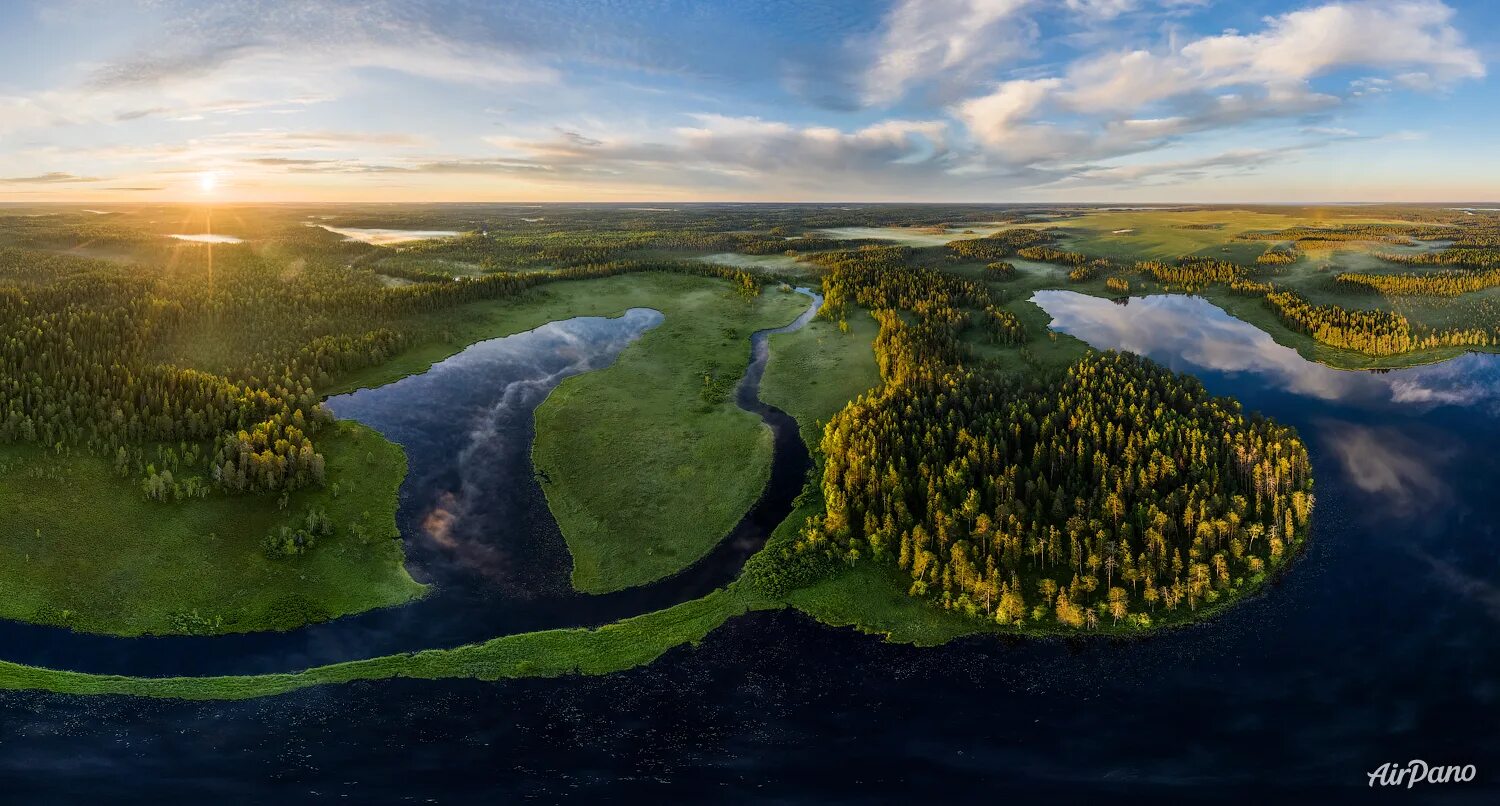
1379,645
208,238
1190,334
386,237
913,236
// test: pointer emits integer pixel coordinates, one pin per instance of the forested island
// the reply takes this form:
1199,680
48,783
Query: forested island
972,470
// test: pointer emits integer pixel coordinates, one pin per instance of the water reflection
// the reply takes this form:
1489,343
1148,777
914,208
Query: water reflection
386,237
1189,333
207,238
913,236
1399,473
466,427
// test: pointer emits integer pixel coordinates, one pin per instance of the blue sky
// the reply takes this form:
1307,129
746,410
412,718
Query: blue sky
924,100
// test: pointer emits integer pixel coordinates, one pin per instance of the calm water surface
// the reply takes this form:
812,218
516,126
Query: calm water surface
914,236
384,237
1380,645
204,237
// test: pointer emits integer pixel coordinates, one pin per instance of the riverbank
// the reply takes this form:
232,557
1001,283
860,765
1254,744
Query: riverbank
648,463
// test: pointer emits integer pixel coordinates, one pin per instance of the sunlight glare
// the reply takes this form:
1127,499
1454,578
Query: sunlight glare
208,181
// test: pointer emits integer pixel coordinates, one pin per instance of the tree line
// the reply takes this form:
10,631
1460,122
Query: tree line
1430,284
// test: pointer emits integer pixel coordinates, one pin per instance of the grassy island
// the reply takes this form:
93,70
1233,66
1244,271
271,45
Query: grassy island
649,463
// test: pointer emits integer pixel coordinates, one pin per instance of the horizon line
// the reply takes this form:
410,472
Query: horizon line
1182,203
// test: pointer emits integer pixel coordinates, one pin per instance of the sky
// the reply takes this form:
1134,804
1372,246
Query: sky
778,100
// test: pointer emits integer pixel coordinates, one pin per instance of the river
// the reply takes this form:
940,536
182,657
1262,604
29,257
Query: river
472,514
1378,646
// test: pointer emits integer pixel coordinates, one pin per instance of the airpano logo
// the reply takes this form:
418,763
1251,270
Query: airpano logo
1418,771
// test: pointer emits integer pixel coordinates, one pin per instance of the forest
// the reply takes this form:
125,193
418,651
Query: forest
1116,493
1430,284
89,357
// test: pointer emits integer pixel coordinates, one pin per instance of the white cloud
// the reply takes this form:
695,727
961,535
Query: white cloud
746,147
17,113
1100,9
950,40
1127,101
1003,121
1176,171
1303,44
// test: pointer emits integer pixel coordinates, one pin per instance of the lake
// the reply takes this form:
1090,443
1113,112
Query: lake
913,236
386,237
1377,646
208,238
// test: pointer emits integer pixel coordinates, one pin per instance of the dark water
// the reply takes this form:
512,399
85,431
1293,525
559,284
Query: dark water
473,516
1380,645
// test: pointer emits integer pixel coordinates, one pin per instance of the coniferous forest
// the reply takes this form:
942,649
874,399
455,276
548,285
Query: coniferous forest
1117,491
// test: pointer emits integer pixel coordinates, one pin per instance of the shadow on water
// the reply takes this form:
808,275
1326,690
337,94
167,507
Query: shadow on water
472,514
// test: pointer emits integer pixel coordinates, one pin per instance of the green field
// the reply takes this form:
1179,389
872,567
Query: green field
649,463
86,550
813,372
1169,234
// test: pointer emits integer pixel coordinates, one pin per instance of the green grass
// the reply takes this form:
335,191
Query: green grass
646,470
813,372
872,599
1161,234
85,549
550,653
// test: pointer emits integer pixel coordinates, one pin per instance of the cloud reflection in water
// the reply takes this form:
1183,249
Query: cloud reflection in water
1188,333
467,428
1400,474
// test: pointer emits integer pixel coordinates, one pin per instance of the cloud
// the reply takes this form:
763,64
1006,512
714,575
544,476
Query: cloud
1302,44
254,38
1100,9
984,103
739,151
1001,120
948,39
18,113
1174,171
1128,101
282,139
50,178
1480,591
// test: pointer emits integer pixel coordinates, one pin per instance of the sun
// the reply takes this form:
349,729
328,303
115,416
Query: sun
208,181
